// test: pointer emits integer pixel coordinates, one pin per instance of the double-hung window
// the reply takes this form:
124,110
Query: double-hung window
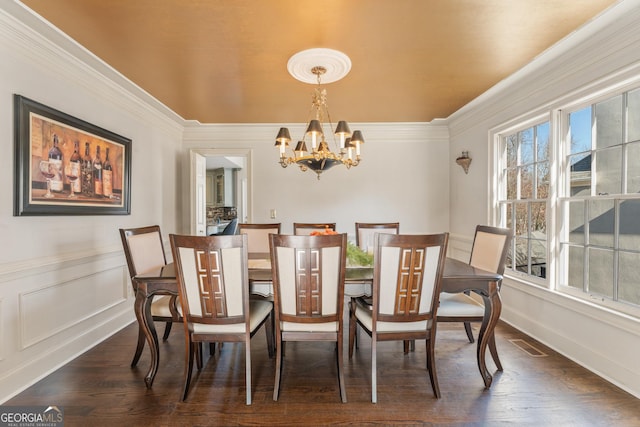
572,197
600,200
523,197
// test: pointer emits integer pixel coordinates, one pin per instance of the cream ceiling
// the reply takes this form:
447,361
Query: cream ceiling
225,61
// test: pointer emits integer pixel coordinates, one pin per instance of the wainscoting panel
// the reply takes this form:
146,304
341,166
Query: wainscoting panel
46,311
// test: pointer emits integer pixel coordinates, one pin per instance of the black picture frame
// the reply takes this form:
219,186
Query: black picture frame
105,191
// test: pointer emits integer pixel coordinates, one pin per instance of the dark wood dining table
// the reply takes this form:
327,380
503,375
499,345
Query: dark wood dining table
457,277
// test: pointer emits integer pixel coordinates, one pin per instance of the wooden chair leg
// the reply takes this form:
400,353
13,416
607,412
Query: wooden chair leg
469,331
343,391
431,368
247,369
276,384
198,351
139,347
374,374
188,367
356,339
212,349
167,330
269,331
352,331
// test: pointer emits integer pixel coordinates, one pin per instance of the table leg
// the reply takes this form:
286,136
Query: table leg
492,309
142,308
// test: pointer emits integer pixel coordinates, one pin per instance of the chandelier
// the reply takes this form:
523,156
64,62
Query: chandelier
310,66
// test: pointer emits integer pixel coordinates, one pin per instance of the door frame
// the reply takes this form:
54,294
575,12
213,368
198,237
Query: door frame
247,153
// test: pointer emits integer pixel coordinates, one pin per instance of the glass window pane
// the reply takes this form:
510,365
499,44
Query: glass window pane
542,141
580,172
601,220
509,215
601,272
539,258
522,220
580,126
628,273
512,184
633,168
526,146
511,143
539,220
609,171
633,116
522,255
629,226
526,182
542,187
576,222
608,116
575,266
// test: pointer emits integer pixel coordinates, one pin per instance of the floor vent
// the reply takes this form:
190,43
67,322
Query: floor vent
528,348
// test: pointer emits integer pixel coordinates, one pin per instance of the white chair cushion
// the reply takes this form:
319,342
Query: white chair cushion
160,306
365,317
309,327
459,305
259,310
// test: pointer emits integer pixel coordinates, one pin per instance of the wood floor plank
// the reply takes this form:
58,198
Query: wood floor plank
100,388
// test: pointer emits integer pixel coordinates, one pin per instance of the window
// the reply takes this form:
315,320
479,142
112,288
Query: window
525,189
580,190
600,246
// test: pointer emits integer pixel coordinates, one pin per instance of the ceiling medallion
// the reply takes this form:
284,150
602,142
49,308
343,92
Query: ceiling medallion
318,66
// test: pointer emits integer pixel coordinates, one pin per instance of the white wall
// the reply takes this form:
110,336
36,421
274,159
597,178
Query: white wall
63,280
605,51
403,177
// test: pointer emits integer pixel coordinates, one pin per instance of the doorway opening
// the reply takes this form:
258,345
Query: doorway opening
207,203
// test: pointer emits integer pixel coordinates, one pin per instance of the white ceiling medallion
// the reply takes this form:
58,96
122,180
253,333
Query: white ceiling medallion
336,63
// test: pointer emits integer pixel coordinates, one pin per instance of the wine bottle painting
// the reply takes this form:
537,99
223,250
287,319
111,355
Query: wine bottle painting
80,169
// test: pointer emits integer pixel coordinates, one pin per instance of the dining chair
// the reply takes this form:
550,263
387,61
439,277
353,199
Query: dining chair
308,287
144,251
365,231
213,285
407,277
258,236
229,229
306,228
489,253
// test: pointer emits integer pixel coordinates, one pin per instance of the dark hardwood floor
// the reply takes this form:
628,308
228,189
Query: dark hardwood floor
100,389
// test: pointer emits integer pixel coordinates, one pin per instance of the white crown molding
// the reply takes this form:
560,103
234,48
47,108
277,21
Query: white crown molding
195,132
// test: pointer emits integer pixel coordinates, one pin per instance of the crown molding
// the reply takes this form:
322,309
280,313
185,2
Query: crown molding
195,132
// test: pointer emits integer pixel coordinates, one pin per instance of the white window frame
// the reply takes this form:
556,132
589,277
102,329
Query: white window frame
554,112
497,190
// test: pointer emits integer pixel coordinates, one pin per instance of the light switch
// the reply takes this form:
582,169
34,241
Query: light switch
273,214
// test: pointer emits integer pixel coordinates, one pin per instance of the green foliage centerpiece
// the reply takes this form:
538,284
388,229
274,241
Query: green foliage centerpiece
358,257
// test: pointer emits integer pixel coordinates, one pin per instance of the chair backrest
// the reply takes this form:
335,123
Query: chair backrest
490,248
213,279
230,228
306,228
365,231
308,277
258,236
407,276
143,249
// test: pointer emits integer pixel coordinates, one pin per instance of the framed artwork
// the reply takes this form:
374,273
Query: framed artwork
66,166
